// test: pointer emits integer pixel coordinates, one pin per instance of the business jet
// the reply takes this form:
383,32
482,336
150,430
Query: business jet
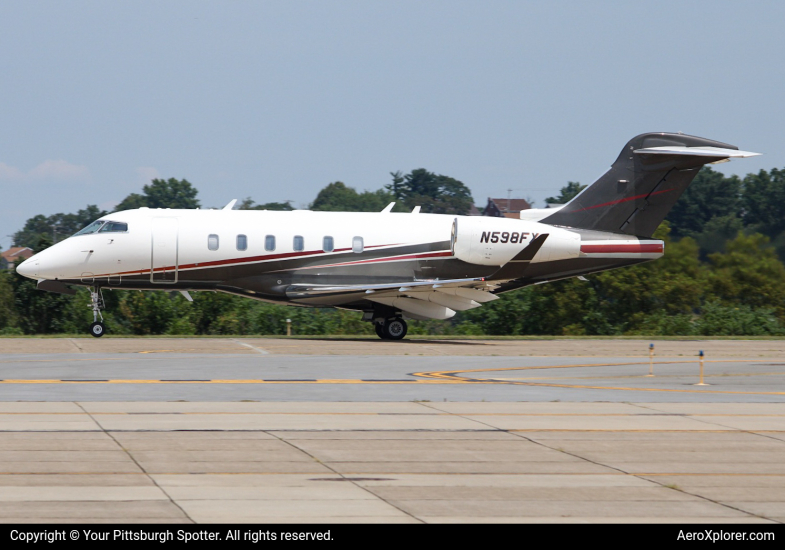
390,266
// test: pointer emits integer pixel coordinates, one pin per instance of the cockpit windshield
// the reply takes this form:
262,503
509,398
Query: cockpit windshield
92,228
103,226
114,227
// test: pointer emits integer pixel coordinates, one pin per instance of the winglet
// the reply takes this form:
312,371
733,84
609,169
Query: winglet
388,208
230,205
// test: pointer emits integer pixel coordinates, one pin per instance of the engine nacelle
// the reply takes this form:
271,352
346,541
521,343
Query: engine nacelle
483,240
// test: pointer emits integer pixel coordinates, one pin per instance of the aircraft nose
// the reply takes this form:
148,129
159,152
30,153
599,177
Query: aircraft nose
28,268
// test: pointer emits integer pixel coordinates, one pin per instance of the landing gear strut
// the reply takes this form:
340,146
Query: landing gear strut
97,329
392,329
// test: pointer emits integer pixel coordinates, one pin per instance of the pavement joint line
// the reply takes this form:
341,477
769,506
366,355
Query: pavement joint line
344,476
741,430
518,433
77,346
138,465
257,349
335,413
407,473
575,454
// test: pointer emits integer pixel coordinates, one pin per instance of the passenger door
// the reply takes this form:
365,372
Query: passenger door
164,252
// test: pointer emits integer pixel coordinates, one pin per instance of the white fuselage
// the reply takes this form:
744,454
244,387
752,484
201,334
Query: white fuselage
326,258
188,240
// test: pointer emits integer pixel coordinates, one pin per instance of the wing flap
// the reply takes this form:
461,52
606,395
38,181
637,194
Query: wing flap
308,290
423,299
420,308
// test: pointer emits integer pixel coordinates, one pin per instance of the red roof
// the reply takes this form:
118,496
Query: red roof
15,252
511,205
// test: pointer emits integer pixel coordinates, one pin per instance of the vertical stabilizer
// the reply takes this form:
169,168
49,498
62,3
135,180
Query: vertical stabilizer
650,174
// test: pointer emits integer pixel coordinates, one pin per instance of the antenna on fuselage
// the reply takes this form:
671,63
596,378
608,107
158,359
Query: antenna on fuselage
388,208
230,205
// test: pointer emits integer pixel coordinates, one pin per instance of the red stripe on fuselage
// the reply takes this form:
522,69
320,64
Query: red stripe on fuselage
656,248
250,259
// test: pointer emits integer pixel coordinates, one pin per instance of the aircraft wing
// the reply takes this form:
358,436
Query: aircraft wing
446,286
431,299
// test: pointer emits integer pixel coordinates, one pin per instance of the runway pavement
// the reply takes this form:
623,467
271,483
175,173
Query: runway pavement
326,430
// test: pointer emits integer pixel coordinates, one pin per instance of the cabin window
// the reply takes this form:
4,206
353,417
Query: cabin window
212,242
299,244
242,242
357,245
269,243
327,244
114,227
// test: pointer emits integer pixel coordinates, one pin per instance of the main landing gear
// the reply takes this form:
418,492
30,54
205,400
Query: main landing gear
97,329
391,329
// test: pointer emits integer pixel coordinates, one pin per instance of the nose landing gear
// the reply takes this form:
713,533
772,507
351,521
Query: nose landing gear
97,329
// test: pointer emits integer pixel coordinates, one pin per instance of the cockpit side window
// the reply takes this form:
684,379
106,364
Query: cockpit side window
114,227
92,228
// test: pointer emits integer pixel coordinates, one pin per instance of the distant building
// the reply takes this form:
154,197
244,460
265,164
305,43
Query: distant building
8,257
506,208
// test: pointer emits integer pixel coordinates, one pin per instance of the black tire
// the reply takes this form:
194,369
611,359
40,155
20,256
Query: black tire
395,329
97,329
380,331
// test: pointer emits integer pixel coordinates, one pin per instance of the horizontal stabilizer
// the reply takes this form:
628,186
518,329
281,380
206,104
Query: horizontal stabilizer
717,152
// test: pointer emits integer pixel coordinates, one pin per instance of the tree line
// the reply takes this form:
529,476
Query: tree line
721,275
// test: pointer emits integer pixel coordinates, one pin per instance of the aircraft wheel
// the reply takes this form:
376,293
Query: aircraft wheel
97,329
380,331
395,329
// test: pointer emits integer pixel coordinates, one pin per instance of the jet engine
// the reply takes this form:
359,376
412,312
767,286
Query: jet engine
483,240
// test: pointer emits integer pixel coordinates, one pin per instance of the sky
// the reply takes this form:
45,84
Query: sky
273,100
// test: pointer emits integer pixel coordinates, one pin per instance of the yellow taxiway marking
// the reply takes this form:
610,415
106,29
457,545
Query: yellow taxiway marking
445,377
456,374
624,388
324,381
660,376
